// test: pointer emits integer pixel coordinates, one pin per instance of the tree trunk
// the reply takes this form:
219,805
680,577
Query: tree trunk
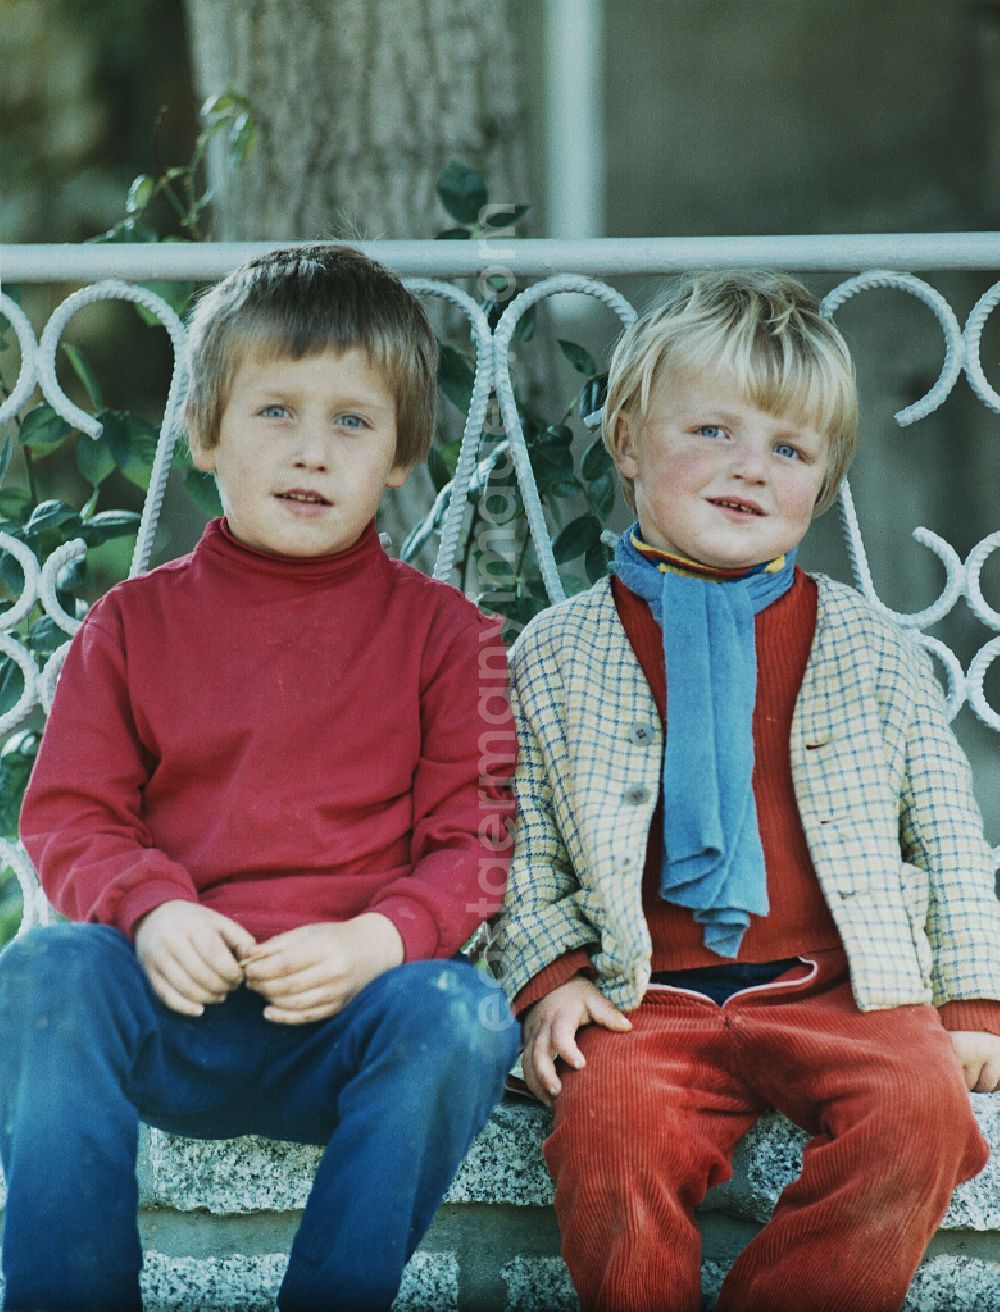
359,105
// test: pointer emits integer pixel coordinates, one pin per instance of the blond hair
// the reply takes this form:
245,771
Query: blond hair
762,329
300,300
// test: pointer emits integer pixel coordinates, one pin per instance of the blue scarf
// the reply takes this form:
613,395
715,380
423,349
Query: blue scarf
713,861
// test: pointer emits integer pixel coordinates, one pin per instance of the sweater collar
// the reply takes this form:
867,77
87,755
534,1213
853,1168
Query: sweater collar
220,546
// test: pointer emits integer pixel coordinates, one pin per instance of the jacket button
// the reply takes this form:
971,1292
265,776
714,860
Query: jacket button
637,794
640,733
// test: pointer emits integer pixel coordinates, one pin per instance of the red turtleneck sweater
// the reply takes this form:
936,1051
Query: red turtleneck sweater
285,740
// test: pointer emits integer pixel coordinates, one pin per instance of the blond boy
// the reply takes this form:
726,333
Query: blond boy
749,870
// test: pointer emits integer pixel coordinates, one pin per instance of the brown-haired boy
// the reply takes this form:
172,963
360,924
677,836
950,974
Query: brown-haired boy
260,789
749,870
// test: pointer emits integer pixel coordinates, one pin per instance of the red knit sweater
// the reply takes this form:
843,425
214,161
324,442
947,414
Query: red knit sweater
283,740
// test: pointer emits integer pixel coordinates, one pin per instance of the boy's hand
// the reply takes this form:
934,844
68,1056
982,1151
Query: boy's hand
550,1032
314,971
978,1053
191,954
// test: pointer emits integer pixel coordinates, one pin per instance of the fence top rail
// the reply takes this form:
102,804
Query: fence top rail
600,257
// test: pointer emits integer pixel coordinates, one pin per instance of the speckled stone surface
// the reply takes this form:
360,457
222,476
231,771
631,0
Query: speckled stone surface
504,1164
227,1176
234,1284
238,1176
250,1284
539,1284
955,1284
770,1157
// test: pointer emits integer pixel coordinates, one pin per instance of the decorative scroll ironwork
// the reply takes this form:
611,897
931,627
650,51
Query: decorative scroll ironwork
492,378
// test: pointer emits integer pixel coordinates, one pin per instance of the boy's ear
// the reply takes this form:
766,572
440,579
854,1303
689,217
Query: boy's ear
202,457
624,449
398,475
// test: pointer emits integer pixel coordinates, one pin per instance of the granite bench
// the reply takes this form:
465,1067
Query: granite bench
217,1220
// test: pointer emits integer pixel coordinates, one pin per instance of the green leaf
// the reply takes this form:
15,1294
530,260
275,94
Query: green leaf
242,139
50,515
11,684
132,443
11,573
221,106
44,636
595,561
73,575
507,217
576,538
125,232
592,395
16,760
109,524
517,608
6,451
456,375
553,470
15,503
462,192
596,460
601,494
581,360
438,470
176,294
42,429
524,329
554,435
93,459
140,193
453,234
202,490
84,372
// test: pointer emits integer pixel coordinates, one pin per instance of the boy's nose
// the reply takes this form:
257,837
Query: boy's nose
749,464
312,452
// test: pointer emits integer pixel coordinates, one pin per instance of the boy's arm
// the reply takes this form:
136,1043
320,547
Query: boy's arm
81,819
463,807
541,926
941,833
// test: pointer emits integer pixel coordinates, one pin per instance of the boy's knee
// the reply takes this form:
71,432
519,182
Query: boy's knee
461,1014
927,1124
64,960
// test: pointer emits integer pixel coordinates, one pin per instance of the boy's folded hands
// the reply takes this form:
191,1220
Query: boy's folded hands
191,954
312,972
550,1032
194,956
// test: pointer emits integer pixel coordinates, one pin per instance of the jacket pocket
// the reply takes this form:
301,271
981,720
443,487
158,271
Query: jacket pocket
915,886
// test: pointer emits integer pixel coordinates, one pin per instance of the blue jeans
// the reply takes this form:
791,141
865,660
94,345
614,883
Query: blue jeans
396,1087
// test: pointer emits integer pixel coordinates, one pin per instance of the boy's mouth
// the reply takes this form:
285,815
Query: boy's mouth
738,504
304,496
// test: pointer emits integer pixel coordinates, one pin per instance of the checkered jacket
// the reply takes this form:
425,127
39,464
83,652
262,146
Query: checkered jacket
883,789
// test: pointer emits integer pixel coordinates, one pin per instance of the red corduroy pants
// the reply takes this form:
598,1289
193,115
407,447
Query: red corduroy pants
649,1124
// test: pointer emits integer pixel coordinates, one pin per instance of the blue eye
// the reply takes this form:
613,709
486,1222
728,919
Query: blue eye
788,451
352,421
711,430
273,411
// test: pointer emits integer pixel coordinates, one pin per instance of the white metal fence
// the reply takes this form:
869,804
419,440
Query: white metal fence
102,272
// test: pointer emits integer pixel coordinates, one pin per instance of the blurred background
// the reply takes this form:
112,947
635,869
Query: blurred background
616,118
